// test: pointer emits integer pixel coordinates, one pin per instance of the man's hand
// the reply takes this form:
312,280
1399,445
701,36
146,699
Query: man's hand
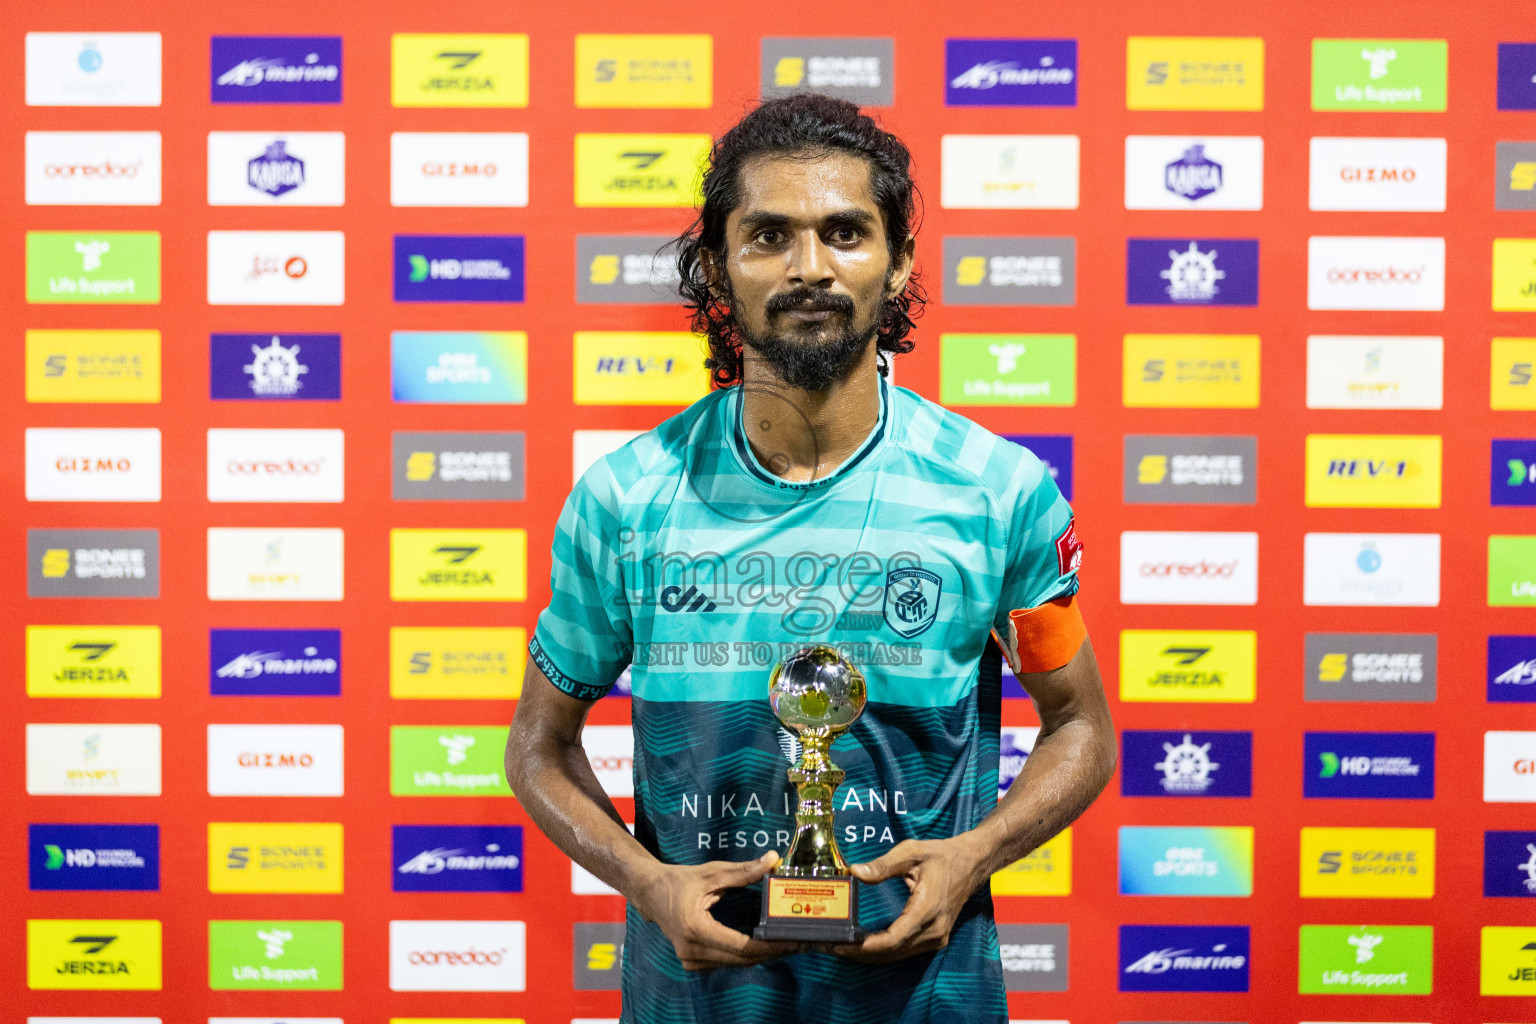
678,898
941,874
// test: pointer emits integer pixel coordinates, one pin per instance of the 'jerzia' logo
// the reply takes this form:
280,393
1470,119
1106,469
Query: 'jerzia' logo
911,600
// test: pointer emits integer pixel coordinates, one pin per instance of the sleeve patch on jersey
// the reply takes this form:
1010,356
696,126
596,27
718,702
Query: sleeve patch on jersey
1069,550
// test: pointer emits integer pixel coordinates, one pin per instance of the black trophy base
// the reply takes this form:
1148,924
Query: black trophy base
809,910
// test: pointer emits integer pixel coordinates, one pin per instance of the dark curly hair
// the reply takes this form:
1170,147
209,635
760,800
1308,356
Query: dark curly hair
801,124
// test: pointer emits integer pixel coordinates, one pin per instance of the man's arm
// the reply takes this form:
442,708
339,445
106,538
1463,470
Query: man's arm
1072,761
549,771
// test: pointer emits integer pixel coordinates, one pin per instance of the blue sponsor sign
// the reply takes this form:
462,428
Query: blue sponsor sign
1512,669
94,857
458,858
276,69
1185,861
462,367
1179,763
274,367
274,662
1055,450
1512,477
1369,765
1517,76
1509,864
1183,958
1192,271
458,268
1010,72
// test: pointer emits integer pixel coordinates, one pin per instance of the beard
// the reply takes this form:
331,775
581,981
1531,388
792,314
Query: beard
811,357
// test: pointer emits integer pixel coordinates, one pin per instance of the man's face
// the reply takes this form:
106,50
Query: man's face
808,265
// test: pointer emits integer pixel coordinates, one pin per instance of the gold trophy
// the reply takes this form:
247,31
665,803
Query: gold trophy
809,896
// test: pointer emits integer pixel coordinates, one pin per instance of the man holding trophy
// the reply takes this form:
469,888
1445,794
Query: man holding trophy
805,567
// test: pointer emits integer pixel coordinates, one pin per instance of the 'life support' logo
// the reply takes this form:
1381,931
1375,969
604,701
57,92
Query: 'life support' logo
911,600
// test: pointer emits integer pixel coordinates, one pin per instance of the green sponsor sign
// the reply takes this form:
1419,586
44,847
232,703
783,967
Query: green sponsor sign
1367,959
447,760
1008,369
1512,570
1378,74
93,266
274,955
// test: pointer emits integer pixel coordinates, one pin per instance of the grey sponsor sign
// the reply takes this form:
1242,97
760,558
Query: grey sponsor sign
1371,666
93,563
452,466
630,269
1186,469
1514,186
1034,957
860,70
598,954
1010,271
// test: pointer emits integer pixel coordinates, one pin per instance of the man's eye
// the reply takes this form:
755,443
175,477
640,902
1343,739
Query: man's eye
846,235
769,237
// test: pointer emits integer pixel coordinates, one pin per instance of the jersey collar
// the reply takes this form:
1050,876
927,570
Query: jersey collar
748,462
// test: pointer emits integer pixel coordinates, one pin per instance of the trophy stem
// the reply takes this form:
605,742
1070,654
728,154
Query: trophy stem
813,852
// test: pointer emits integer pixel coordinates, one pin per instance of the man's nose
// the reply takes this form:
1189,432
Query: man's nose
810,261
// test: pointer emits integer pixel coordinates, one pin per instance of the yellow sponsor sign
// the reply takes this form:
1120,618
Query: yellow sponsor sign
446,70
1047,871
1181,665
1514,274
93,366
644,71
274,856
1191,371
639,368
458,565
1194,73
93,954
1509,962
1373,471
93,661
1513,380
466,662
1375,863
639,170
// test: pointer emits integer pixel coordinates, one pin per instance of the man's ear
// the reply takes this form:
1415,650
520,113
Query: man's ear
901,268
714,274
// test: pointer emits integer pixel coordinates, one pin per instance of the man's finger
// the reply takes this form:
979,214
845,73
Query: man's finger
901,859
735,874
705,931
913,919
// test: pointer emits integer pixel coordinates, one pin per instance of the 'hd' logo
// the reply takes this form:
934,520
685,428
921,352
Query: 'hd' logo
458,268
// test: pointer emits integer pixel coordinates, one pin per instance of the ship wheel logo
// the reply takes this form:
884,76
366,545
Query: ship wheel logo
1192,275
1186,767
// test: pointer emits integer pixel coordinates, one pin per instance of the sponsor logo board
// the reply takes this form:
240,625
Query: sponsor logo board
458,565
1183,958
1512,479
1373,372
1360,272
1509,864
274,662
1377,667
1514,176
275,760
653,71
1188,666
1034,956
93,760
93,366
1189,568
1190,469
1183,861
639,368
276,69
458,169
93,69
1514,274
1054,452
1008,369
1194,73
1195,371
274,564
101,955
93,563
1517,76
1009,172
1513,368
440,70
1366,959
458,858
862,70
275,465
457,956
598,949
1511,669
1373,471
267,169
1191,271
1017,271
1010,72
459,367
457,662
627,269
93,661
274,955
1378,74
451,466
1370,765
1511,571
458,268
91,267
1377,863
1178,172
274,367
276,268
447,760
92,464
1508,965
93,168
1509,767
271,856
626,170
1399,570
1046,871
1178,763
1377,174
93,857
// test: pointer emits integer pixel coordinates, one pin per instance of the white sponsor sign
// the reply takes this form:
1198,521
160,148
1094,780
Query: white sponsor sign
119,1020
1194,172
93,464
1189,568
458,169
1009,172
1371,372
274,1020
1377,174
611,750
457,956
277,169
275,760
1375,273
276,268
93,760
587,446
274,564
93,168
93,69
1509,767
1361,569
275,465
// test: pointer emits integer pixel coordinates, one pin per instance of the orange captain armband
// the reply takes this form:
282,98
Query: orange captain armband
1046,637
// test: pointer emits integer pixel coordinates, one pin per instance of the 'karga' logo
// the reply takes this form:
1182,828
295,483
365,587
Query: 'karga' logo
1192,275
275,172
1193,176
1186,767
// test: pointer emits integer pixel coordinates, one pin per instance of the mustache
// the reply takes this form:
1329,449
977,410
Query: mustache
809,299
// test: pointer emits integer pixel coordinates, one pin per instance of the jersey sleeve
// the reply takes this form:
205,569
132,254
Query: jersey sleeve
584,639
1043,550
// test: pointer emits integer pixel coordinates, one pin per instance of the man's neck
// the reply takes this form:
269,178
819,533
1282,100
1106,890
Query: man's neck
805,435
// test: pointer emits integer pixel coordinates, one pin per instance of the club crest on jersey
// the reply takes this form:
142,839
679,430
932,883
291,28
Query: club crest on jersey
911,600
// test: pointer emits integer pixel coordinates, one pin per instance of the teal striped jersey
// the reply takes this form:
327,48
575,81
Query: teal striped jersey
682,556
